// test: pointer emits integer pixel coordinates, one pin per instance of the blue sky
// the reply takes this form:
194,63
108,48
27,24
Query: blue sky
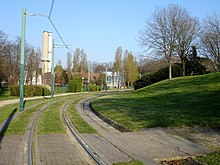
97,26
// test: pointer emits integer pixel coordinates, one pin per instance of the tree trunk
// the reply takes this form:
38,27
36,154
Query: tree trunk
184,67
170,69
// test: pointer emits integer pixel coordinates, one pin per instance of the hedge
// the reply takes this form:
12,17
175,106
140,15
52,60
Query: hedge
30,90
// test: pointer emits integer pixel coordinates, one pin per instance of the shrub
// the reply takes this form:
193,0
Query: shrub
95,88
30,90
75,85
14,90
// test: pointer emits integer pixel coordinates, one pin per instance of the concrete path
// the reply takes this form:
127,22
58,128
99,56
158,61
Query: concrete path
148,146
13,101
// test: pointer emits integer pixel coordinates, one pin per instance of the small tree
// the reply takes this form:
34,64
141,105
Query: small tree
75,85
130,70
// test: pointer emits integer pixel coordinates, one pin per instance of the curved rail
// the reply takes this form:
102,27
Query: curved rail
75,133
31,130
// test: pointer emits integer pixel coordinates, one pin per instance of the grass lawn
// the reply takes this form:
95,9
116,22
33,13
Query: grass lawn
78,122
18,125
51,123
133,162
185,101
211,159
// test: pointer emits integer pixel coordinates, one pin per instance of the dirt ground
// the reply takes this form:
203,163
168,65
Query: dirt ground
206,137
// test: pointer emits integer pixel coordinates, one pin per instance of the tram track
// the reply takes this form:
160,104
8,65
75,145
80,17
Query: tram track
29,133
35,145
75,133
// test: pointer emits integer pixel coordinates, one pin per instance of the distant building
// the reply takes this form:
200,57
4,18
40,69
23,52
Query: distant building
113,80
46,57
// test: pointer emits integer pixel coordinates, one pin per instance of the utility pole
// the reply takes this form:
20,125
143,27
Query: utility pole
88,76
106,86
22,59
52,70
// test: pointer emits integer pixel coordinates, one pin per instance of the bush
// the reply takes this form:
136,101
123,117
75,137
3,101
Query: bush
14,90
95,88
75,85
30,90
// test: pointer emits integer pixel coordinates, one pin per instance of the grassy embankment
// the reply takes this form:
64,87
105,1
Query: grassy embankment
185,101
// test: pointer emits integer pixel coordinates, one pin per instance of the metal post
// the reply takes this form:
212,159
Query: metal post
106,86
52,70
22,59
88,77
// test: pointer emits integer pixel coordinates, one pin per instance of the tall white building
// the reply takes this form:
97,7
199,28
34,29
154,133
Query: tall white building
46,57
47,52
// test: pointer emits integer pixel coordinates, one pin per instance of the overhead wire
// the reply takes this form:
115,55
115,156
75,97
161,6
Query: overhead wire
51,8
52,23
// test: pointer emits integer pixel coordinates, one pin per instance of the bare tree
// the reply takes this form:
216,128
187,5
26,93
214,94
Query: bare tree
210,40
165,33
187,33
3,56
37,59
69,66
76,60
59,74
83,62
30,67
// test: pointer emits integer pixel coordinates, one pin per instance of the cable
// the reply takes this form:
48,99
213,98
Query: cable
49,17
66,46
51,8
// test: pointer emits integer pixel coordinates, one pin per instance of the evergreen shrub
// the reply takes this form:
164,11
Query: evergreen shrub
75,85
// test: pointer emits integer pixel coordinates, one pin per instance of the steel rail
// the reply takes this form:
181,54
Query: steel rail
73,131
31,131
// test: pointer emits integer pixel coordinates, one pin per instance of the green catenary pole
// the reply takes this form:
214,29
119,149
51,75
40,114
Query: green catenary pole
52,70
88,77
22,59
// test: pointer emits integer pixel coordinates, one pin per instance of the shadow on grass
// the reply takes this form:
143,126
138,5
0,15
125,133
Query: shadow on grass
6,124
164,110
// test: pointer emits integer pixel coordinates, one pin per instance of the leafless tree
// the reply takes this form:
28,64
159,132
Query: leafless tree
210,40
187,30
76,60
37,59
169,29
83,62
69,66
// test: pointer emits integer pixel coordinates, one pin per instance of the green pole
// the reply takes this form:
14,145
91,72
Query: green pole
52,70
22,60
88,77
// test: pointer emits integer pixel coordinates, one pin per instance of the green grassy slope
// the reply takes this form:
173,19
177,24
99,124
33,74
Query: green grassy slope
193,100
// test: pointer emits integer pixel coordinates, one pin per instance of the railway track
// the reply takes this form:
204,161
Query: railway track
55,148
75,133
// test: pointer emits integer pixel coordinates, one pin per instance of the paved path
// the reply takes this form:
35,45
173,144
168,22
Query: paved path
13,101
147,146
